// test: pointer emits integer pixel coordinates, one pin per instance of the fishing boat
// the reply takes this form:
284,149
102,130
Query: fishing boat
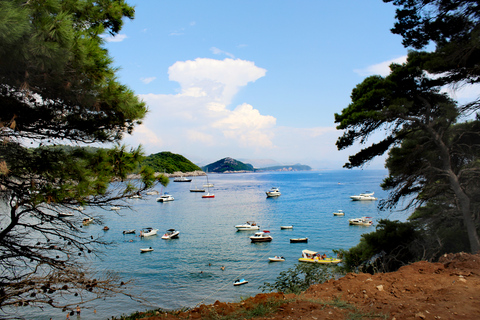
194,187
142,250
315,257
364,196
363,221
295,240
339,213
87,221
286,227
273,192
129,231
171,234
239,282
165,197
276,259
182,179
65,214
208,195
148,232
249,225
263,236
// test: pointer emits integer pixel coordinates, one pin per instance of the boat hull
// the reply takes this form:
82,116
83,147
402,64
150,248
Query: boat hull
261,239
168,236
276,259
208,196
149,234
321,261
239,283
146,250
286,227
247,228
298,240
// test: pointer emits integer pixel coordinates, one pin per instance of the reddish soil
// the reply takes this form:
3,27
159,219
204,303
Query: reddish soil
448,289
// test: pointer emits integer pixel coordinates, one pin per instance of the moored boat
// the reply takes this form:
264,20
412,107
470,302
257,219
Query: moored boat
239,282
129,231
363,221
208,195
182,179
286,227
249,225
273,192
276,259
364,196
87,221
295,240
115,208
65,214
154,192
315,257
171,234
165,197
263,236
339,213
148,232
142,250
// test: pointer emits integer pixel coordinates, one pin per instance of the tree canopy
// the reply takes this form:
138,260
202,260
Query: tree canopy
59,92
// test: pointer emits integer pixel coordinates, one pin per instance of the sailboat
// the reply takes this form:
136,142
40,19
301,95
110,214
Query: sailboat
207,185
208,195
194,188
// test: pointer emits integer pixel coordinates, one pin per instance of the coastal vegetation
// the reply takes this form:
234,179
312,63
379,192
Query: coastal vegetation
228,165
169,163
432,143
58,87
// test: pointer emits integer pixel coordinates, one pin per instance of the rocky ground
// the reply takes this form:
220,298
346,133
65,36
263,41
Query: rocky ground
448,289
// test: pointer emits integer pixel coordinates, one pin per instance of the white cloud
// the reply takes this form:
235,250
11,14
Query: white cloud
116,38
382,68
218,51
148,80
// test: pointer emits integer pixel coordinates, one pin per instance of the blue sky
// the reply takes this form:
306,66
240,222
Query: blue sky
251,79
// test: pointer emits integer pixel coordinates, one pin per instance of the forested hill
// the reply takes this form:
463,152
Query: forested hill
228,165
170,162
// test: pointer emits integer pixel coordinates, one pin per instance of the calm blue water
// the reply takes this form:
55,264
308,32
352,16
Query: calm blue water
187,271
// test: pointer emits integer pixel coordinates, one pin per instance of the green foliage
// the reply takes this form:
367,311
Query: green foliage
228,164
300,278
391,246
169,163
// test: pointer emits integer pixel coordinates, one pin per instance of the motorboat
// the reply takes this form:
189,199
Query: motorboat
286,227
276,259
148,232
65,214
249,225
208,195
154,192
131,231
315,257
339,213
115,208
208,185
295,240
142,250
165,197
135,196
273,192
239,282
171,234
364,196
263,236
87,221
182,179
363,221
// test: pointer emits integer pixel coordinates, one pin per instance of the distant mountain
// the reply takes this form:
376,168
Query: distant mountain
228,165
295,167
170,162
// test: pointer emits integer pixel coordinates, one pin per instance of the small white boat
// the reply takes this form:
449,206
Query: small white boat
208,195
135,196
80,208
239,282
148,232
142,250
364,197
273,192
115,208
65,214
151,193
261,236
363,221
165,197
87,221
171,234
276,259
181,179
295,240
249,225
129,231
286,227
339,213
208,185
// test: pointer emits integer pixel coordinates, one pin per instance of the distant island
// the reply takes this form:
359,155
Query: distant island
174,164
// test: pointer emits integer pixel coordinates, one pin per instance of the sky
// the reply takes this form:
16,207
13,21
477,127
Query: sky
257,81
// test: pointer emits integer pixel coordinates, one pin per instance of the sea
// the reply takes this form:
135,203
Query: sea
210,254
